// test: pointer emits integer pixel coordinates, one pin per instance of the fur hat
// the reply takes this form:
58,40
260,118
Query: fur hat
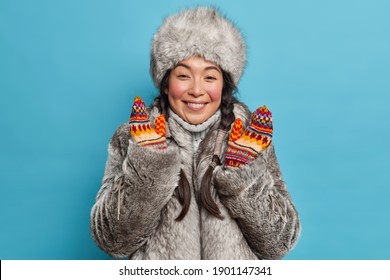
199,31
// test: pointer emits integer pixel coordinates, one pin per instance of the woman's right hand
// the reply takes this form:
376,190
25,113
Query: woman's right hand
142,130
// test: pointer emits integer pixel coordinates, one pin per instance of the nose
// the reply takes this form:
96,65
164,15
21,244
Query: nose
196,89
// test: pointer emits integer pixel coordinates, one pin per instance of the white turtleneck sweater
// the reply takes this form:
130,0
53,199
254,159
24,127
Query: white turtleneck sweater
198,131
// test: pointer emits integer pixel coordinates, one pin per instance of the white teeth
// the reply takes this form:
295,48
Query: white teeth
195,105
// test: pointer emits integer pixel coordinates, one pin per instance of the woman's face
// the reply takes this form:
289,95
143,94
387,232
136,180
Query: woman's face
195,89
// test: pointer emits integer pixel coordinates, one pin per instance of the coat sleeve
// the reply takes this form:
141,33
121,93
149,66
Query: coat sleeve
138,182
256,196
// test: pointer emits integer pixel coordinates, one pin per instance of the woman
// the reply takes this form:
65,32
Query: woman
195,175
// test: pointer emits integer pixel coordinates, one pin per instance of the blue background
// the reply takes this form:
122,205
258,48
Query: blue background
69,71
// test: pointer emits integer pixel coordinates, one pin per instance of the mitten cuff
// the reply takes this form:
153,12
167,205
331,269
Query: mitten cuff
237,155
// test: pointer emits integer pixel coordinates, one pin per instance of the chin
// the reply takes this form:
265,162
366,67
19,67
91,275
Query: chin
195,121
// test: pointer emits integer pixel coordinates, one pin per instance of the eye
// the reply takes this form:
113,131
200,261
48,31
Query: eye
182,76
211,78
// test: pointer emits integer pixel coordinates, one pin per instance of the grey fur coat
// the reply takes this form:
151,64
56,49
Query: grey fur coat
135,210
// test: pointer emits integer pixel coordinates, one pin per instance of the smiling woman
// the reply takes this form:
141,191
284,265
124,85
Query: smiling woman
195,89
195,175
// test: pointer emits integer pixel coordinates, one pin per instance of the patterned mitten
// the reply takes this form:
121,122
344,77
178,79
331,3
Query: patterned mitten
141,129
244,147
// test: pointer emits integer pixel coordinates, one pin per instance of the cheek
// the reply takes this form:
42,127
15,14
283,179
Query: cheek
215,92
175,90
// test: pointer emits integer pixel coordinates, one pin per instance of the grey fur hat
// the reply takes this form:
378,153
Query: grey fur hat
199,31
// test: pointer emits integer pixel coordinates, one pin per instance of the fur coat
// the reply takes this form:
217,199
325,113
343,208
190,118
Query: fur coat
136,206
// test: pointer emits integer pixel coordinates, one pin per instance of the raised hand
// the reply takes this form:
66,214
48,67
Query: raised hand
141,128
245,147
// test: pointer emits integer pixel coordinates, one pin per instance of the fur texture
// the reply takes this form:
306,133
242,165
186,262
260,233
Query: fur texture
260,221
197,32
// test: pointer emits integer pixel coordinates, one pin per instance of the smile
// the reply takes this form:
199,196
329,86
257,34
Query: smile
195,106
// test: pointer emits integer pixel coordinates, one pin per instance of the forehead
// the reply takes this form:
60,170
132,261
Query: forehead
198,63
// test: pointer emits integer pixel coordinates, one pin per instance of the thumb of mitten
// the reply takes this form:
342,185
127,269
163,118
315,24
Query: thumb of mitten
236,130
159,126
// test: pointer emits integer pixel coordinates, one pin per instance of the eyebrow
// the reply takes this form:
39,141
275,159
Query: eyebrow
189,68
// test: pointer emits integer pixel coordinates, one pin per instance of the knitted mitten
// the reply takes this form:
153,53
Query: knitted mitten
244,147
141,129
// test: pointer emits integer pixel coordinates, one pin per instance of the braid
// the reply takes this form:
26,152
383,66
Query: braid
183,190
161,101
227,118
227,115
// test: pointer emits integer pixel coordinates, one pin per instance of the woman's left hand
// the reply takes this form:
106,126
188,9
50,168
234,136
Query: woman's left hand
244,147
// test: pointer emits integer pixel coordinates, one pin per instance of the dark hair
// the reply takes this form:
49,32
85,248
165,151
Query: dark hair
183,190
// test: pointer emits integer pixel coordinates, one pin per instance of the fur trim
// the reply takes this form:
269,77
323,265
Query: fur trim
198,32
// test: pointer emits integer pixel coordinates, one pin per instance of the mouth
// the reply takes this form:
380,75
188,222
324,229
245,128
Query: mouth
195,106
